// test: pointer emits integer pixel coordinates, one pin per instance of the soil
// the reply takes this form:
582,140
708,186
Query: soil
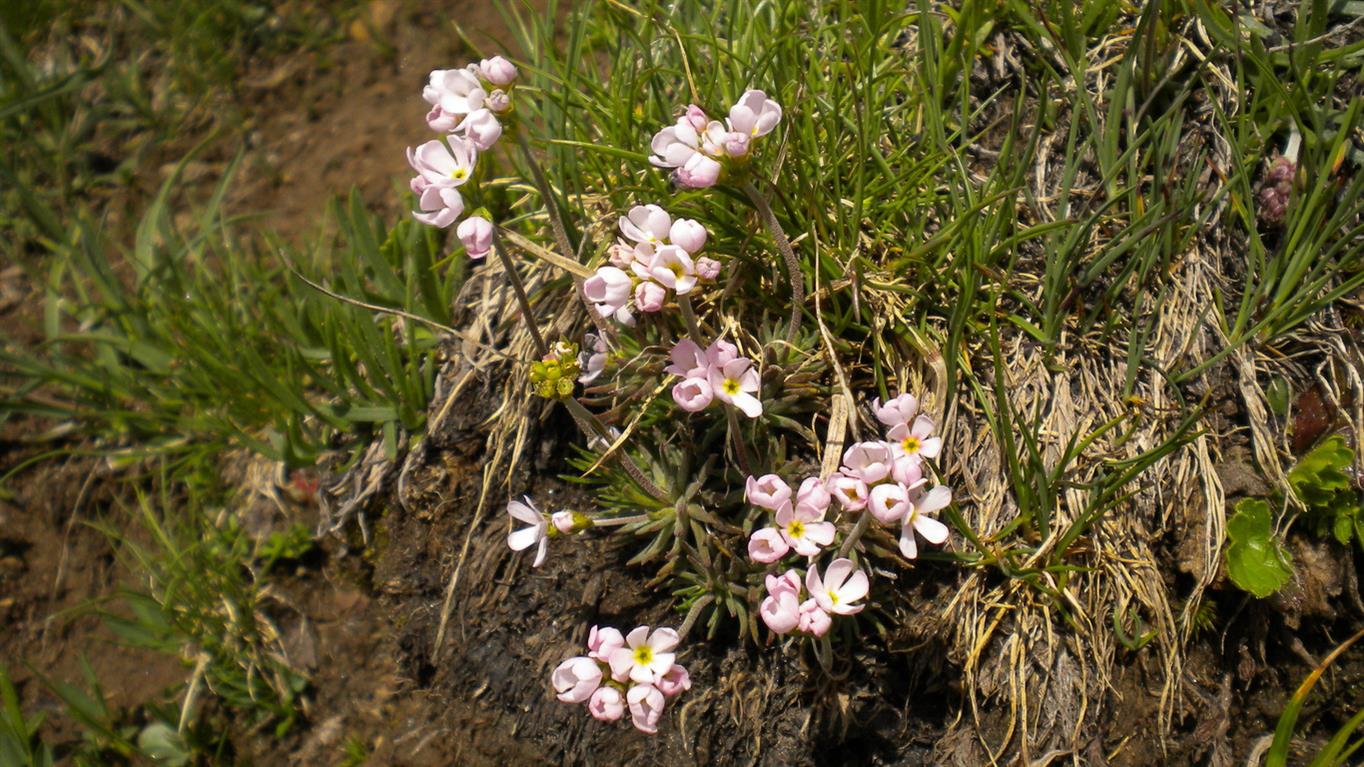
362,620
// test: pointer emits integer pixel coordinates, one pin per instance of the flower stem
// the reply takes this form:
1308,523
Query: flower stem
589,423
556,223
689,316
740,452
693,614
783,245
520,291
617,521
855,535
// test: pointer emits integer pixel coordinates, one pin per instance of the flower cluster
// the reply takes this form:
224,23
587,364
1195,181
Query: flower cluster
800,524
465,104
637,670
887,478
656,254
698,149
718,373
553,374
835,593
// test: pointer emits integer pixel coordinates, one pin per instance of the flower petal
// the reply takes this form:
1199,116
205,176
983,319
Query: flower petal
522,539
931,529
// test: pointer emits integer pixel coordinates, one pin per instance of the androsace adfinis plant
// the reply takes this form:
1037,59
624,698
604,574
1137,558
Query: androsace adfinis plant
804,548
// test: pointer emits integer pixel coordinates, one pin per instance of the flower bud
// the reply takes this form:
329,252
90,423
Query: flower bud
497,70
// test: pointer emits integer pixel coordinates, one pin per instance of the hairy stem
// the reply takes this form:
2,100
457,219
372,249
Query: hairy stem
618,521
856,534
784,245
593,426
520,291
693,614
689,316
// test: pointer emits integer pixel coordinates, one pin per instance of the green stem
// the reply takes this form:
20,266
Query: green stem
589,423
618,521
741,452
689,316
858,529
520,291
784,245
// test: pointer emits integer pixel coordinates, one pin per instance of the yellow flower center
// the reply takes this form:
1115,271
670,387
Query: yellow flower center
677,270
795,528
833,596
458,174
644,655
910,445
731,386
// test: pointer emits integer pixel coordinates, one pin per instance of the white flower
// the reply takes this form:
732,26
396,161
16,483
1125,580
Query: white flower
839,588
520,540
917,521
646,656
754,114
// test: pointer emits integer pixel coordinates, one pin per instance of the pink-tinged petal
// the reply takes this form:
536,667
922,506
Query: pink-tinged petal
520,540
576,679
524,512
889,503
813,583
855,587
646,707
674,682
767,545
750,405
785,514
607,704
641,674
923,426
836,573
821,533
934,500
814,497
621,661
787,582
693,394
931,447
637,637
663,640
908,546
803,546
813,619
898,411
541,552
780,612
601,642
768,491
931,529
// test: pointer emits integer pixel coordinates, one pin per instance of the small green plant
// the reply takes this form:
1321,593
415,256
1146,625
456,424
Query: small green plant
1341,746
20,744
1256,560
1320,481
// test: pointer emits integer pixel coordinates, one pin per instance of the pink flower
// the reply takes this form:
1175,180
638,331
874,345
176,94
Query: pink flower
767,545
707,268
520,540
720,353
781,612
850,491
781,609
646,707
812,620
687,235
868,461
889,503
499,102
606,704
649,296
813,495
443,165
440,206
675,681
695,117
841,586
476,233
804,529
895,412
754,114
482,128
609,289
455,91
497,70
646,223
908,470
916,521
699,172
563,522
735,144
601,642
735,383
675,145
672,267
693,394
768,491
576,679
620,255
440,120
646,657
914,440
688,360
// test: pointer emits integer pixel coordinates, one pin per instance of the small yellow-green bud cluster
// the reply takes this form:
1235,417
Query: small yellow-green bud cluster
555,375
